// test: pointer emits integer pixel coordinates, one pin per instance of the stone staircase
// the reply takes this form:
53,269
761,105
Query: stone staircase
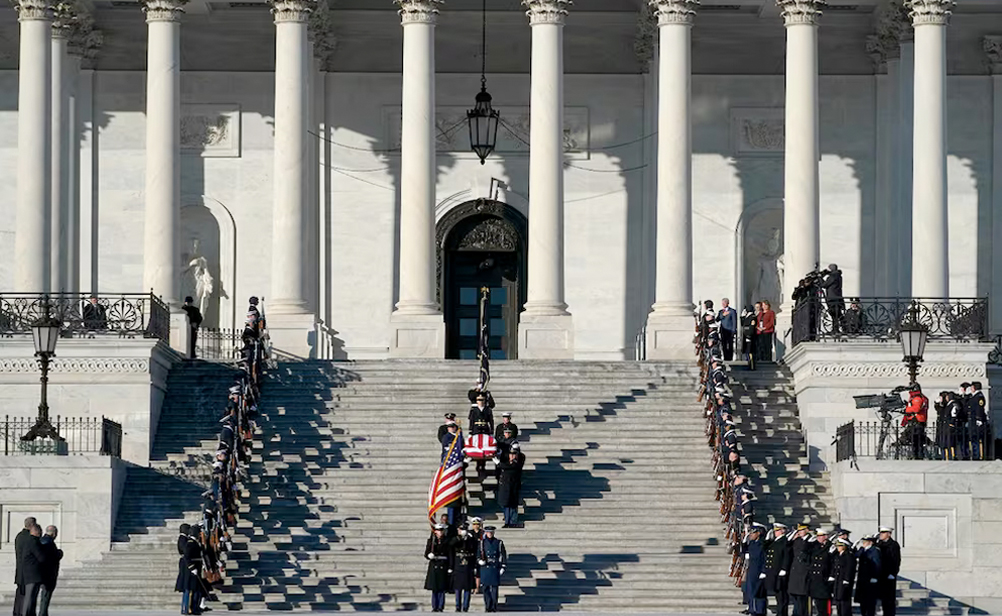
773,445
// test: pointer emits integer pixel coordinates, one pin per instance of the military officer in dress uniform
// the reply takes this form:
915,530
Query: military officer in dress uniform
800,568
977,418
820,577
481,422
192,591
844,572
444,428
506,425
868,575
890,561
778,556
436,550
463,567
755,574
505,442
492,560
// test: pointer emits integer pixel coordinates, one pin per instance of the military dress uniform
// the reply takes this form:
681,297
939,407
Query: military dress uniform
844,572
800,567
977,417
755,575
436,550
191,598
463,568
778,557
890,560
819,581
868,574
956,417
492,560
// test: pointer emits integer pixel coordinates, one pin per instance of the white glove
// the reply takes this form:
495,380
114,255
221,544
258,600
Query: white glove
979,424
747,556
761,576
873,580
431,555
782,572
844,582
481,562
831,579
890,577
450,571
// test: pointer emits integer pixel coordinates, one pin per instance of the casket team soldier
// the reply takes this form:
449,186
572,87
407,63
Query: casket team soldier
506,424
481,422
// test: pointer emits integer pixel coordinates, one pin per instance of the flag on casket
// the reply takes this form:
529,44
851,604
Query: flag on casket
480,446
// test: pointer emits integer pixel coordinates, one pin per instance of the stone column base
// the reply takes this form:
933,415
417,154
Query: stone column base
417,336
670,337
180,333
546,337
292,335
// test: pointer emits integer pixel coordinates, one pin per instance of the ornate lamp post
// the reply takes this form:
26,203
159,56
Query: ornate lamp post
483,119
913,336
45,334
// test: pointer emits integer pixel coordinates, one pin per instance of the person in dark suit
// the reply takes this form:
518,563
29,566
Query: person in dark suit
95,316
20,541
32,561
832,284
778,557
50,569
509,471
194,322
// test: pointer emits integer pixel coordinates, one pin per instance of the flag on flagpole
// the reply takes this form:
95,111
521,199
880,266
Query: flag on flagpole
449,483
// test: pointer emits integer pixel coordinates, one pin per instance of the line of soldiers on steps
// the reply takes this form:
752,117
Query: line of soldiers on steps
202,547
795,567
464,556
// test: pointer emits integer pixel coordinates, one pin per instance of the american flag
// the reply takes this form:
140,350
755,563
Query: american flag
449,483
480,446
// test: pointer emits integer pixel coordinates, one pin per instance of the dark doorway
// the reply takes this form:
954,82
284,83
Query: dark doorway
482,244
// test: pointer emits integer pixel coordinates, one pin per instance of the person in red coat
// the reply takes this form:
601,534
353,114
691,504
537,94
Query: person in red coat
765,331
914,421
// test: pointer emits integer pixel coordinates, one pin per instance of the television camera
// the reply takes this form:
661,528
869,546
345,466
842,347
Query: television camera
886,405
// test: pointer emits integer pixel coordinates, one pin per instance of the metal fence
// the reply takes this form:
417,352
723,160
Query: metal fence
881,318
933,441
130,315
995,356
83,435
218,344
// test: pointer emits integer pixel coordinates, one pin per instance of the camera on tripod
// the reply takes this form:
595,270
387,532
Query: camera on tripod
885,403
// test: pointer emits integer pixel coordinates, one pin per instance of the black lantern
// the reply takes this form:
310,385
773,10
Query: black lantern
913,336
45,334
483,119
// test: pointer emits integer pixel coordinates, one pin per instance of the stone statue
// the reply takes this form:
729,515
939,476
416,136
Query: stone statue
201,281
771,271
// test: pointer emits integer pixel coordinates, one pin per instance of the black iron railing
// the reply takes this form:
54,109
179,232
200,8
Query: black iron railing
218,344
937,440
995,356
845,442
83,435
880,318
130,315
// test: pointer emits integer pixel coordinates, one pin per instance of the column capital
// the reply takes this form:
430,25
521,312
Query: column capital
929,12
319,27
546,11
418,11
674,11
64,19
992,46
33,10
801,12
296,11
163,10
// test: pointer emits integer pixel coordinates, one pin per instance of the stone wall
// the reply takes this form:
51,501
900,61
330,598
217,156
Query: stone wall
946,515
123,380
78,494
828,374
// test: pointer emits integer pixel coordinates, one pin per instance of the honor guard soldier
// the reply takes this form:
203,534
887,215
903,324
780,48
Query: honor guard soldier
505,442
755,575
820,578
868,574
977,418
800,568
492,561
436,550
506,422
778,556
481,422
444,428
477,529
956,418
463,567
890,560
844,572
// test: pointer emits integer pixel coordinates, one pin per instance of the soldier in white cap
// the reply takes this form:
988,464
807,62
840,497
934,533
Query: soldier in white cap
890,560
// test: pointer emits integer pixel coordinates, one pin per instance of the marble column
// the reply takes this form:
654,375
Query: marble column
34,147
930,230
416,325
801,178
903,205
992,46
669,325
546,330
290,322
163,150
61,126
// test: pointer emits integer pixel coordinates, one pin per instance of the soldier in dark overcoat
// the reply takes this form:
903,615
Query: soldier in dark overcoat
191,599
819,581
444,428
182,571
868,575
754,585
778,556
800,568
844,572
463,567
436,550
492,560
890,560
509,472
506,423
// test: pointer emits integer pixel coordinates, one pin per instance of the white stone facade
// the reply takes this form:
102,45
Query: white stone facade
353,194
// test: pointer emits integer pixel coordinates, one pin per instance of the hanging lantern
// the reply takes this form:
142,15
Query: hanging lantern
483,119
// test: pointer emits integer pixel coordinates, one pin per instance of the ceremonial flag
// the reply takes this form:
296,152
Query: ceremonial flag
483,342
480,446
449,483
